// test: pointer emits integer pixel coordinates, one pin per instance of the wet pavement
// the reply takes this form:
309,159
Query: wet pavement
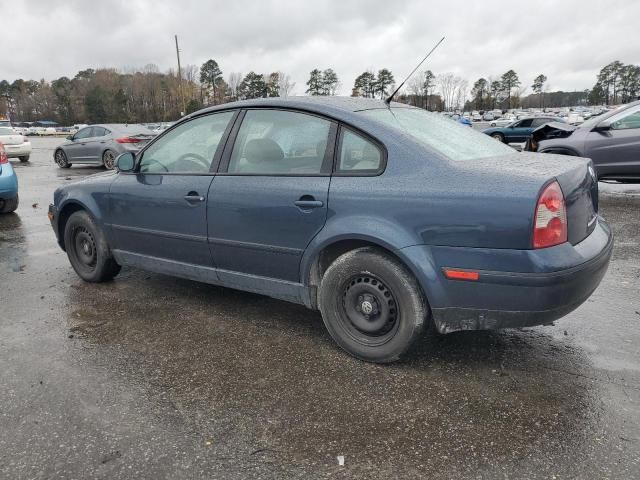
154,377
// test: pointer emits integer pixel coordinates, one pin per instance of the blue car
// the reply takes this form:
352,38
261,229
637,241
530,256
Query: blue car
520,130
388,219
8,184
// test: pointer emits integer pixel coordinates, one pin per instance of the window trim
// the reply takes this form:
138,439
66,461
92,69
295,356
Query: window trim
216,156
358,173
329,154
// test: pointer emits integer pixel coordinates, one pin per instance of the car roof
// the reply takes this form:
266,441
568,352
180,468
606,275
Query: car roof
319,104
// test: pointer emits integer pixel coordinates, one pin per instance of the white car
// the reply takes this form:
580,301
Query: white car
504,121
16,145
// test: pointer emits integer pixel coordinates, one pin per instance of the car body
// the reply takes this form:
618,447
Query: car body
488,116
476,117
518,131
386,218
610,140
8,184
101,144
15,145
461,119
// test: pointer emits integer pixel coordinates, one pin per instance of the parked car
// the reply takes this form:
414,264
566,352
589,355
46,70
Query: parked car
461,119
331,203
518,131
476,117
488,116
15,145
610,140
101,144
162,127
503,121
8,184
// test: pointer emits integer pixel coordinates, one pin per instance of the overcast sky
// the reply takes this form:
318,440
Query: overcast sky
569,41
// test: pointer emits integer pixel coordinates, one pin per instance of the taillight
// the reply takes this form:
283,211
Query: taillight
3,155
550,226
128,140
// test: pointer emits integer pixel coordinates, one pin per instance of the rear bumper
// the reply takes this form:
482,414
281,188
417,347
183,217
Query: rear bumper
15,151
558,280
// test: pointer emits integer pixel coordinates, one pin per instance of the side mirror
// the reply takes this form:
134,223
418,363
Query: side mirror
126,161
603,126
69,137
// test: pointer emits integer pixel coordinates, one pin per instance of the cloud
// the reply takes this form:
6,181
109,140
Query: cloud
568,41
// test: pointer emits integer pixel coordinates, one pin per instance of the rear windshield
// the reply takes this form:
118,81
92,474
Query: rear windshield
446,136
6,131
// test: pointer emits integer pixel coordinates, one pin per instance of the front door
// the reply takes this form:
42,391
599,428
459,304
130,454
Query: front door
77,150
270,198
160,210
519,131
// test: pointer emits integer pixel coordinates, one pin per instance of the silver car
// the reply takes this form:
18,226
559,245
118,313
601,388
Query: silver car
101,144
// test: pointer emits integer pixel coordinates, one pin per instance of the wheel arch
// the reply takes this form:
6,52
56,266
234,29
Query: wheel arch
326,253
66,210
561,150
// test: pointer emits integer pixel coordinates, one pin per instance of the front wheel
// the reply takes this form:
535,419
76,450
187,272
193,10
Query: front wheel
371,305
87,249
24,159
61,159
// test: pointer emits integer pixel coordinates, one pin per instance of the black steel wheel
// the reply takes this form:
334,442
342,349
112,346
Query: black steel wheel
87,249
372,305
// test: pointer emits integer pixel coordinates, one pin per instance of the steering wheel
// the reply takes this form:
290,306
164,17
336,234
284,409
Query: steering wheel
149,161
194,158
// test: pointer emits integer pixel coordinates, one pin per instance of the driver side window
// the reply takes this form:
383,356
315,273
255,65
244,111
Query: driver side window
188,148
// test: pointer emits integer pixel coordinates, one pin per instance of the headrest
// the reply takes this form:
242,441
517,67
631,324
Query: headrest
263,150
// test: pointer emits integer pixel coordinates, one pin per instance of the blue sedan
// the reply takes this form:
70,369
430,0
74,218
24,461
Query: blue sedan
520,130
388,219
8,184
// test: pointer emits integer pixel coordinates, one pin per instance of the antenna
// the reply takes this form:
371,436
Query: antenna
390,97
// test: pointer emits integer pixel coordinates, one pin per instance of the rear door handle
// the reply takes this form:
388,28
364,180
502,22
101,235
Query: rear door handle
193,197
307,204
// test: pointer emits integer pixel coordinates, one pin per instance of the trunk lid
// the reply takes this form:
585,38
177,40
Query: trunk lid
575,175
12,139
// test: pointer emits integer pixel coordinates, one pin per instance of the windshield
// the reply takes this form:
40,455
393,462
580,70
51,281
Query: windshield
453,140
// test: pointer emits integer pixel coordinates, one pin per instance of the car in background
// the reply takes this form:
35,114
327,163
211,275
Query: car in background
476,117
162,127
15,145
488,116
46,131
101,144
5,123
461,119
504,121
610,140
8,184
518,131
349,183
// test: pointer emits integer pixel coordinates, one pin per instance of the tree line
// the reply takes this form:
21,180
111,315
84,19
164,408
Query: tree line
148,95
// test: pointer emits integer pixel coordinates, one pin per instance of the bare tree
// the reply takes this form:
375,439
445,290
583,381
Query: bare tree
415,86
285,85
234,80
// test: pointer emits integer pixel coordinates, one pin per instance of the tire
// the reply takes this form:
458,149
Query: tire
498,136
109,160
24,159
88,250
364,281
61,159
8,206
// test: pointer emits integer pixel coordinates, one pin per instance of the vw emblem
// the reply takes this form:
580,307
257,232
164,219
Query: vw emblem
366,307
592,172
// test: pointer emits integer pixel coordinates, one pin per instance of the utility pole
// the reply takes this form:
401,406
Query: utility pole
184,108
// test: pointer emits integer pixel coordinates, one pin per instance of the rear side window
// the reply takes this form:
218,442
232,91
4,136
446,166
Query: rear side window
99,132
358,154
278,142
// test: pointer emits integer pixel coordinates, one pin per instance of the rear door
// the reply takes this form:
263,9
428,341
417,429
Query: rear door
96,143
160,210
617,151
270,197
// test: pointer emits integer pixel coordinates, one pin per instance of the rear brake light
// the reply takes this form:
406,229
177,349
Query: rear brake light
3,155
550,225
128,140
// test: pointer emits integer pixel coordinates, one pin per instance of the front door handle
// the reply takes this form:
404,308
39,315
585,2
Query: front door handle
307,202
193,197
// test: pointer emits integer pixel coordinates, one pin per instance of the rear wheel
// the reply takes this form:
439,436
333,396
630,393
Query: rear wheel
24,159
109,159
61,159
87,249
8,206
498,136
371,305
